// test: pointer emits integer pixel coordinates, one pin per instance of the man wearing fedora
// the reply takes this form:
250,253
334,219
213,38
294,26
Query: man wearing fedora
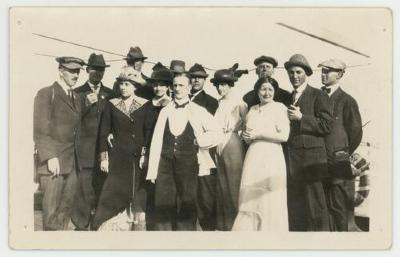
207,183
135,59
311,120
57,115
265,66
94,96
341,143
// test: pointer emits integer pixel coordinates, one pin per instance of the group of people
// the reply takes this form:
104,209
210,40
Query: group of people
159,153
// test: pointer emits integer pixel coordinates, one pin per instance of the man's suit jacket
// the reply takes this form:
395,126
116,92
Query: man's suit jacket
345,135
91,114
56,127
281,96
205,100
306,145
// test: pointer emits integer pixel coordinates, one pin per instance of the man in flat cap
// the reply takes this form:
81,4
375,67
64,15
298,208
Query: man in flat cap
135,59
341,143
311,120
265,68
57,113
94,96
207,183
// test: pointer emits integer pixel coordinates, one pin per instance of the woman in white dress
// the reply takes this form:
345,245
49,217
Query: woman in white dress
230,153
262,199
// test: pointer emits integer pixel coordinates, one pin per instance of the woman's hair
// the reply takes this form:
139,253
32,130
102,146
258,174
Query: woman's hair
230,84
118,82
262,81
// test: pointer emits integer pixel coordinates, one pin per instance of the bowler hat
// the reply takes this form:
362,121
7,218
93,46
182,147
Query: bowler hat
135,53
161,73
71,63
128,73
299,60
333,64
268,59
97,61
177,66
197,70
221,76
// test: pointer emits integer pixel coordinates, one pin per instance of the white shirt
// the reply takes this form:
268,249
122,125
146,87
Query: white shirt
178,117
299,91
97,91
64,86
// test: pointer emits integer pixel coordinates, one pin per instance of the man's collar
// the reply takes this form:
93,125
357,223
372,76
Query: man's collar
92,86
156,102
195,94
301,88
181,101
63,85
333,88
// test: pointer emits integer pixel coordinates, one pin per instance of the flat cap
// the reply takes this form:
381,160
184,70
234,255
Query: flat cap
301,61
268,59
71,63
333,64
197,70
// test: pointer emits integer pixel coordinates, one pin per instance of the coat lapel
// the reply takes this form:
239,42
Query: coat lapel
58,90
303,96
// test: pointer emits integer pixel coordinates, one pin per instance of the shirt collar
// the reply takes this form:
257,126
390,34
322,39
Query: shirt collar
181,101
156,102
93,86
64,85
301,88
333,88
195,94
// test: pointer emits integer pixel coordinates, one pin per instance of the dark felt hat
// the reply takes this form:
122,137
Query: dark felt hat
71,63
177,66
135,53
223,76
97,61
268,59
301,61
161,73
197,70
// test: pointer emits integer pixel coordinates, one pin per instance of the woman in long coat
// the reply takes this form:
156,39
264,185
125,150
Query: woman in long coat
230,153
122,200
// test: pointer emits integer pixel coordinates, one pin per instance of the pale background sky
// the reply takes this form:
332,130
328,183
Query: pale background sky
216,38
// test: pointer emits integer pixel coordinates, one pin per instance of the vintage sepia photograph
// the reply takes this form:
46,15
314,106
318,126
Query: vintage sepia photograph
228,127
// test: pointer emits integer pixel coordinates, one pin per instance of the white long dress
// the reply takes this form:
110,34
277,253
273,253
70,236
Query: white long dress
262,197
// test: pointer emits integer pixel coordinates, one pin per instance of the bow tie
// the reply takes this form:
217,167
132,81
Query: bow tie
181,105
326,89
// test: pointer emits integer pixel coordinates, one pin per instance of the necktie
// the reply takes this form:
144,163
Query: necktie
180,105
326,89
71,96
294,93
123,107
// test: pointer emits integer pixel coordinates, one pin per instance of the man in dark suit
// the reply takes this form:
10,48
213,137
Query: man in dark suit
94,96
311,120
206,184
57,113
265,68
341,143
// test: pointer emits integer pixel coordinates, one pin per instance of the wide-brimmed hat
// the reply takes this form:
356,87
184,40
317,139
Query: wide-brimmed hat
72,63
177,66
197,70
128,73
97,61
223,76
301,61
135,53
268,59
161,73
333,64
